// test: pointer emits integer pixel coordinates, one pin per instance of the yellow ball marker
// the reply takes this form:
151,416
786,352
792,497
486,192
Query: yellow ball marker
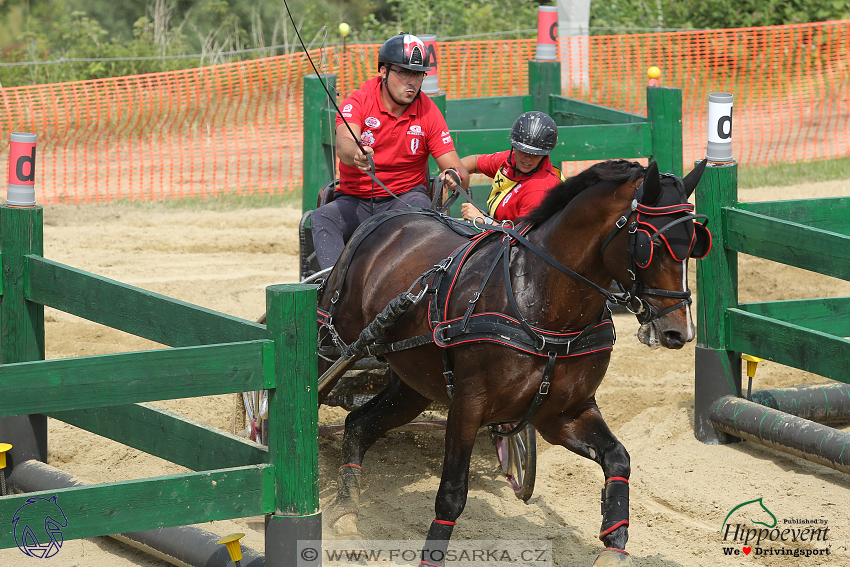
233,547
653,72
344,29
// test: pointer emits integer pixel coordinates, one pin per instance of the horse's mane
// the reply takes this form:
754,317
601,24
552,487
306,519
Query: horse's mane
616,171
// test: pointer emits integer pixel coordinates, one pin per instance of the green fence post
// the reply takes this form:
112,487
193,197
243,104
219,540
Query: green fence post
21,326
664,111
317,167
717,370
296,524
544,79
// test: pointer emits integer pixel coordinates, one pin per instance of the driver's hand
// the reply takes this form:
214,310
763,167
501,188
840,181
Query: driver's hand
361,162
450,183
470,211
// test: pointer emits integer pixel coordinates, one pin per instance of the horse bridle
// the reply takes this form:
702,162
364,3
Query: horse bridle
643,310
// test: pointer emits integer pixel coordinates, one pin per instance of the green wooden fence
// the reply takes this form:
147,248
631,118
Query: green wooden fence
213,353
808,334
482,125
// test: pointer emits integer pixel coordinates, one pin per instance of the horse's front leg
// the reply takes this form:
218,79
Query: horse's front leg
461,429
588,435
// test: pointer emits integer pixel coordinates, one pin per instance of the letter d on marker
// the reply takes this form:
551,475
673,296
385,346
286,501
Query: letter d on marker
21,170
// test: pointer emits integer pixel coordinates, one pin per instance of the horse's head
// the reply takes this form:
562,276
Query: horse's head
660,233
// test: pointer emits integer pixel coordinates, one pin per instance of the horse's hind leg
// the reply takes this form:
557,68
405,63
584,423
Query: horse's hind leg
589,436
396,405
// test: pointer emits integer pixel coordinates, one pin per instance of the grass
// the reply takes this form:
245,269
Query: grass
794,174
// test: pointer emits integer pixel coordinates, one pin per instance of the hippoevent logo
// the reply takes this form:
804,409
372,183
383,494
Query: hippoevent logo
751,529
38,527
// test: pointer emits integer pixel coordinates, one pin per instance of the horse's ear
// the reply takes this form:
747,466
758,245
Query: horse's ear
692,179
651,185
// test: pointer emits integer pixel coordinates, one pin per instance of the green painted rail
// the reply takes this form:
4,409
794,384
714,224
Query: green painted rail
808,334
213,353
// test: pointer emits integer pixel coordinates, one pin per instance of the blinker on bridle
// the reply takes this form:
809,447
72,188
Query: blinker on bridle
640,252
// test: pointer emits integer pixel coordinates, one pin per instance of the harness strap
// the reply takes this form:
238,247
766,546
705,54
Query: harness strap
474,301
448,372
504,330
541,393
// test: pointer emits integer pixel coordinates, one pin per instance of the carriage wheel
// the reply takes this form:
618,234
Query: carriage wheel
518,458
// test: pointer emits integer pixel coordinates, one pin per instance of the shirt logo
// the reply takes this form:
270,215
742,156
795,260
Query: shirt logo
415,130
516,189
372,122
447,140
414,145
507,198
367,138
346,108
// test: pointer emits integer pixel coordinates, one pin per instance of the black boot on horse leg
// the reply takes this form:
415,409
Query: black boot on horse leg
461,431
396,405
615,523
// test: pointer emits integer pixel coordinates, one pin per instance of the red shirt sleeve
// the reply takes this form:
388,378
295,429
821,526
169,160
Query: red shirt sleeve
489,164
438,140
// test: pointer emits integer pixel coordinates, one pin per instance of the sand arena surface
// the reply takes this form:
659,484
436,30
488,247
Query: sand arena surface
681,490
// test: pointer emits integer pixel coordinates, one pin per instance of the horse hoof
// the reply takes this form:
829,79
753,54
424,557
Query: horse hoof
613,558
345,525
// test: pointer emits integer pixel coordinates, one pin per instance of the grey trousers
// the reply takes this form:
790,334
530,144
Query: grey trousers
334,223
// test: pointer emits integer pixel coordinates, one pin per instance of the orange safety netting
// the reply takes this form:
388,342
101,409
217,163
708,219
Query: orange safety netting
237,128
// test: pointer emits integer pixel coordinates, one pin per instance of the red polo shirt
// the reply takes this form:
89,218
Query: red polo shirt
402,145
515,194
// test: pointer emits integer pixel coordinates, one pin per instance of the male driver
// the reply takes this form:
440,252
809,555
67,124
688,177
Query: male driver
399,127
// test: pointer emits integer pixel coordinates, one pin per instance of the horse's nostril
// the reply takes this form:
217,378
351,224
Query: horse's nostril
674,339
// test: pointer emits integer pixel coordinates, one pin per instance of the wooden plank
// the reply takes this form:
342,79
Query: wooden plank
133,310
717,272
293,405
21,321
789,243
831,214
113,379
485,112
317,162
144,504
664,111
571,112
168,435
789,344
544,80
597,142
825,314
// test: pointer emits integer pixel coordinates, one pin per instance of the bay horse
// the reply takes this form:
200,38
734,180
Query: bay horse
515,327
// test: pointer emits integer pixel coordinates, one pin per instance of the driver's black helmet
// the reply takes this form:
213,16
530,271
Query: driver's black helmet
534,133
405,50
